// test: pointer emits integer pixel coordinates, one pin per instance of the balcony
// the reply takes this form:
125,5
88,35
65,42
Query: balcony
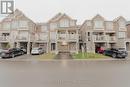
22,38
4,38
62,36
73,37
68,37
42,39
104,38
99,38
111,38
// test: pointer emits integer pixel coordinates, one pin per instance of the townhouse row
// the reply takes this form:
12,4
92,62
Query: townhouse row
62,34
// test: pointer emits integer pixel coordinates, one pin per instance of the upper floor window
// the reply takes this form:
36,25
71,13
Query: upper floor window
14,24
122,35
6,26
98,24
23,24
64,23
109,25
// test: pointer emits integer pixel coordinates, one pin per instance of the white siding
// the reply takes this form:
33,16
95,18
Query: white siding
53,35
53,26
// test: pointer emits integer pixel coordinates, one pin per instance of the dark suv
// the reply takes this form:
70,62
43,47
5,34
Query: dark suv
12,53
116,52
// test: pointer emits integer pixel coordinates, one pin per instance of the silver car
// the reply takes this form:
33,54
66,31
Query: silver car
37,50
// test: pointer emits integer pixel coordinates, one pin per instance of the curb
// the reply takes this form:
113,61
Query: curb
51,60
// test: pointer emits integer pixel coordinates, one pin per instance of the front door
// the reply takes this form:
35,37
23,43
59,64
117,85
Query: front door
63,47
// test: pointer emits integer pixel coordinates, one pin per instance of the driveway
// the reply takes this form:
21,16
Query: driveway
22,58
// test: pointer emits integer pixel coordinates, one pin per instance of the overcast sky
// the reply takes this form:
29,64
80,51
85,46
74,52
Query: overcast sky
43,10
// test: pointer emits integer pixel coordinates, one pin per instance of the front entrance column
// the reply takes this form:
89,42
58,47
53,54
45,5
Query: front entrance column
77,47
28,48
56,45
47,48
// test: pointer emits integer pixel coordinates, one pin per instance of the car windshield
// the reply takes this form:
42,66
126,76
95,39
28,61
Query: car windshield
35,48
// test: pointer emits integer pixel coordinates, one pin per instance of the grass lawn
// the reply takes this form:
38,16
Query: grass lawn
88,56
46,56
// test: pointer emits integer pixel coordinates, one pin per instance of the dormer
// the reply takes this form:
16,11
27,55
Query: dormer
121,22
98,22
61,21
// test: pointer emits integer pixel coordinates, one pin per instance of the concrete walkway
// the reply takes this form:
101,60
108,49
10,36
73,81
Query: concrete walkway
64,55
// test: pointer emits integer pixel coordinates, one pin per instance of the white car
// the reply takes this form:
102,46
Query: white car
37,51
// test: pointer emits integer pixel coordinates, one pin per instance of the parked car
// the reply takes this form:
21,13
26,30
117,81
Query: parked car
24,50
12,52
37,50
116,53
1,52
100,50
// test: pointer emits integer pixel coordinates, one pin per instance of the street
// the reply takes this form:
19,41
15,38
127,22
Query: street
65,73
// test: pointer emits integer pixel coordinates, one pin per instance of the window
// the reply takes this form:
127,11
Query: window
88,33
23,24
109,25
14,24
53,46
6,26
98,24
122,35
64,23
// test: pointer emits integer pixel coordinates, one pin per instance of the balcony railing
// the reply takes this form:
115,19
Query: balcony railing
111,38
62,37
67,37
104,38
22,38
73,36
4,38
42,39
99,38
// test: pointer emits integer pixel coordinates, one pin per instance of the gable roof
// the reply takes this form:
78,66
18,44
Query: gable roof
98,16
58,17
118,18
16,15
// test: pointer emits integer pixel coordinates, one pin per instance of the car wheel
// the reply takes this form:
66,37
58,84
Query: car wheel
22,53
114,55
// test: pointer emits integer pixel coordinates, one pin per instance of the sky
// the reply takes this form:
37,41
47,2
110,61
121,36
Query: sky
43,10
